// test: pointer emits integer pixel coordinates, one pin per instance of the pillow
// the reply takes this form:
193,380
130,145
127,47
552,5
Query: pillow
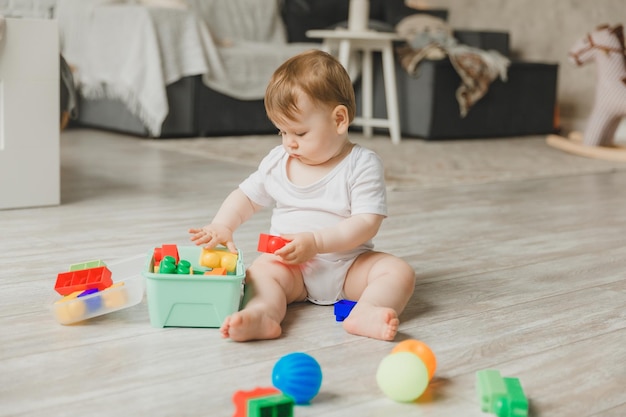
241,20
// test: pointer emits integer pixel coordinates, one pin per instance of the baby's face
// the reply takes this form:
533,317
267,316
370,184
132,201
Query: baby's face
313,136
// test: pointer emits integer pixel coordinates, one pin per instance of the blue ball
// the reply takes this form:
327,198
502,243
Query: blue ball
299,376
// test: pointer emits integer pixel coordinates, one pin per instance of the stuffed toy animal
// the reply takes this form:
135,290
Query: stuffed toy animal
605,46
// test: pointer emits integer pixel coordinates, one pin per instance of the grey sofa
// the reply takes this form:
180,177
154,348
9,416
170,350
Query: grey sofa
523,105
198,110
218,114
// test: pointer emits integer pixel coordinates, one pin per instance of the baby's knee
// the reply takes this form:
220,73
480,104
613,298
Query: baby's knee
266,270
406,274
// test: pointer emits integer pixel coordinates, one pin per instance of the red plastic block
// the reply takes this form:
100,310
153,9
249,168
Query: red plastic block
84,279
170,250
240,399
163,251
270,243
157,255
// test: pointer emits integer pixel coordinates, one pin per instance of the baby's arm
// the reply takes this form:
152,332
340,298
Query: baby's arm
346,235
235,210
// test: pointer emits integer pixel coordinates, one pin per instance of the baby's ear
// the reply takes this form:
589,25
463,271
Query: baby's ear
340,116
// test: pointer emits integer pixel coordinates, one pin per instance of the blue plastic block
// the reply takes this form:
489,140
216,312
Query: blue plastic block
93,303
343,309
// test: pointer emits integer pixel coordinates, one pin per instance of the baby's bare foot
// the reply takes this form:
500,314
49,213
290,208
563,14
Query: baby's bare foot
250,325
372,321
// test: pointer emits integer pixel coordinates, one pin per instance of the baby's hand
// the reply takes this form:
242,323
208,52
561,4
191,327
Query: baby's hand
212,235
301,248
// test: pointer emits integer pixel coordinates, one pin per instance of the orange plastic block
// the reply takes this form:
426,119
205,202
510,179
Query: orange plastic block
84,279
240,399
270,243
216,271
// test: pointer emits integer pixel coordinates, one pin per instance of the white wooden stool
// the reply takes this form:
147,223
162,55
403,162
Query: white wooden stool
346,41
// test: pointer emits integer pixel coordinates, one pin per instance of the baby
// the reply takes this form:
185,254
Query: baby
328,198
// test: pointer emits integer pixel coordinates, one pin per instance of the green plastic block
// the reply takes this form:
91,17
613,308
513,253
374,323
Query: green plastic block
517,405
86,265
503,397
490,387
278,405
167,265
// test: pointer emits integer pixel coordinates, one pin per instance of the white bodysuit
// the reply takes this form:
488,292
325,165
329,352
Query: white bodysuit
355,186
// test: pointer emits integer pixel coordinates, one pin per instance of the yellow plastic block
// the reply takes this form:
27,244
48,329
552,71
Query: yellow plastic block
229,262
212,258
114,296
70,312
69,297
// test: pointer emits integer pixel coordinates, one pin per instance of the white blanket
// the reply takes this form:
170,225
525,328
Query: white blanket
40,9
428,37
250,65
131,52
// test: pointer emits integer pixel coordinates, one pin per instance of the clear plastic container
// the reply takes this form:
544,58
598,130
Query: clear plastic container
127,290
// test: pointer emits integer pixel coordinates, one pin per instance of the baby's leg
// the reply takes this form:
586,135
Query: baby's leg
383,285
270,286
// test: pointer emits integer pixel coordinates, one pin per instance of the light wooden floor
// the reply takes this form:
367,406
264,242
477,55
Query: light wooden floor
527,277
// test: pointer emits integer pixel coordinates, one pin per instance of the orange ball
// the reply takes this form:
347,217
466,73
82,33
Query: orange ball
422,351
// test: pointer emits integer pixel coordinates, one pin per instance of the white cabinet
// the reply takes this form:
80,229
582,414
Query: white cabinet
29,114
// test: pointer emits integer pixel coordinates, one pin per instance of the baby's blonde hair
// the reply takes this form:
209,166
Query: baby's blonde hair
315,73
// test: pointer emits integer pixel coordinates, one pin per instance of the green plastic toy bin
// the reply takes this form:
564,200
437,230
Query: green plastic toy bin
177,300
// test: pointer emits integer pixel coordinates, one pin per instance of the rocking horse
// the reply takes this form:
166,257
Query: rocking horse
605,46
